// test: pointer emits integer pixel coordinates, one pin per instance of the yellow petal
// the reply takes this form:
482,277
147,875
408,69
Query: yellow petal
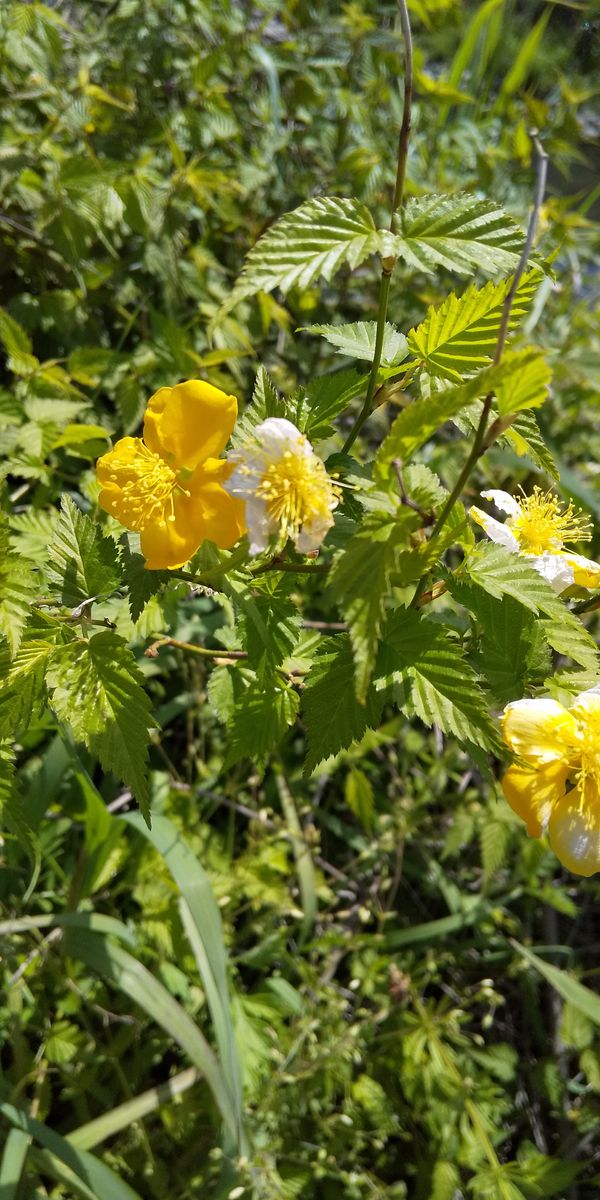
539,730
115,469
166,546
532,793
585,572
209,507
574,830
189,423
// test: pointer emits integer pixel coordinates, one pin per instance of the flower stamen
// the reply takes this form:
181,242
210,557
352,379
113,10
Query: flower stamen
543,524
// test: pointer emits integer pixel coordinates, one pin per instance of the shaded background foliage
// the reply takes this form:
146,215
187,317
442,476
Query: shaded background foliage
399,1047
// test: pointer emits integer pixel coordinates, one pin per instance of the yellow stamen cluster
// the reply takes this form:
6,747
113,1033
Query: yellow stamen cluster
586,758
297,491
147,486
543,524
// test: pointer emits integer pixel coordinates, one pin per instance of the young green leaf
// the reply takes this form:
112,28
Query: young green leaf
526,386
259,720
82,563
357,340
459,337
18,585
96,688
461,233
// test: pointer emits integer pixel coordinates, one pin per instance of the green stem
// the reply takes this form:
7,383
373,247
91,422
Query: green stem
384,291
389,263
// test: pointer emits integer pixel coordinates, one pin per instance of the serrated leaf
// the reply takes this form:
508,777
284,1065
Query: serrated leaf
419,421
81,562
14,338
460,336
461,233
96,687
142,585
18,585
258,722
507,639
495,839
526,386
317,404
274,635
501,573
312,241
12,809
332,715
357,340
361,582
525,438
266,402
22,688
424,666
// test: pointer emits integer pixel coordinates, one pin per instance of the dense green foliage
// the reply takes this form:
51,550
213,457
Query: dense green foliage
323,940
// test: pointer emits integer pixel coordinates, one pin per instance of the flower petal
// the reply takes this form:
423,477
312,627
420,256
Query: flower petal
276,435
504,501
574,830
495,529
586,573
189,423
208,509
541,731
532,793
554,568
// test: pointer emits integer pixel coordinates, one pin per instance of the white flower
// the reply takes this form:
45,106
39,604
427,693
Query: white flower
287,490
537,528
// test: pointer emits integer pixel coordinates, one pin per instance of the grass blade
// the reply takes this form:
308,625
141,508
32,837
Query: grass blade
103,1183
95,922
304,863
203,926
123,970
13,1162
570,989
121,1117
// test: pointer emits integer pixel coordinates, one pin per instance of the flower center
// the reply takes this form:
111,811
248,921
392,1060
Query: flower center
544,524
147,484
297,490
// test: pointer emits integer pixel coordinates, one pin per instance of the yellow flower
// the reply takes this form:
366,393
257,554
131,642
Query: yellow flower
169,486
537,528
556,788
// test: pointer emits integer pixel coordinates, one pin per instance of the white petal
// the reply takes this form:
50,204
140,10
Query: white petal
495,529
311,535
554,568
504,501
259,524
276,435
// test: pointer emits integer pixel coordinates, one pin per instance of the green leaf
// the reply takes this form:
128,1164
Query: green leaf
527,385
313,241
460,336
103,1183
96,687
22,688
122,1116
13,1163
501,573
361,582
82,563
419,421
142,585
333,716
424,665
571,990
266,402
461,233
357,340
18,585
509,648
259,720
270,627
13,815
320,401
525,438
17,343
358,794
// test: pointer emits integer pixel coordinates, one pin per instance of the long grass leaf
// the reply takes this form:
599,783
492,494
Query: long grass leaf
570,989
204,928
467,49
103,1183
520,68
123,970
13,1162
123,1115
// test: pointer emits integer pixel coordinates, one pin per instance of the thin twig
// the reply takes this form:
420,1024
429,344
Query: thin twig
191,648
481,443
406,111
